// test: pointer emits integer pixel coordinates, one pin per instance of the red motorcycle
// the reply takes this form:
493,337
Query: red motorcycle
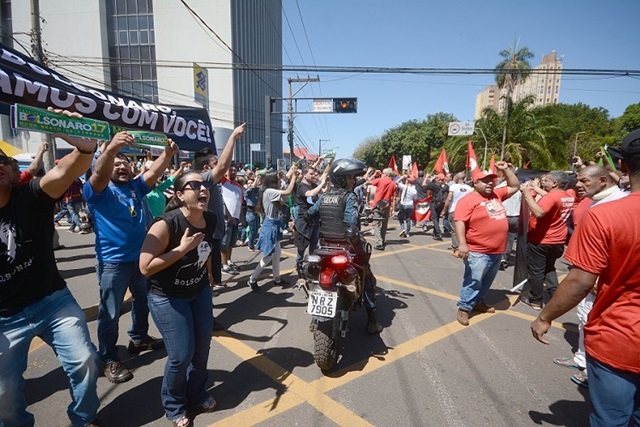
333,280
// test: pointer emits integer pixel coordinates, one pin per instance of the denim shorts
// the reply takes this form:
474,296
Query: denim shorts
230,235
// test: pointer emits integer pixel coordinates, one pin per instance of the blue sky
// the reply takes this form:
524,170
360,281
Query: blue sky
464,33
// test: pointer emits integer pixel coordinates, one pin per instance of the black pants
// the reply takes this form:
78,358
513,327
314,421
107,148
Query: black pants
541,268
436,211
216,262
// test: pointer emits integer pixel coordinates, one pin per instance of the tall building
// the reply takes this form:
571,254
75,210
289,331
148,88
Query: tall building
543,84
150,49
489,97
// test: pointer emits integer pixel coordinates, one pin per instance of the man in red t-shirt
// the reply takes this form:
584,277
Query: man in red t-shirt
385,190
547,234
607,245
482,228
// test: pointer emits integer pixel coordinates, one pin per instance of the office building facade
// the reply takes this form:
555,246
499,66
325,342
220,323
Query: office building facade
543,84
150,49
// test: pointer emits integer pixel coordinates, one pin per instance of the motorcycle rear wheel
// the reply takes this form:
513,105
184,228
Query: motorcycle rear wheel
326,339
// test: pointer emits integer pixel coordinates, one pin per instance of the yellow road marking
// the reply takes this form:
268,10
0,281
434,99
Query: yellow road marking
297,392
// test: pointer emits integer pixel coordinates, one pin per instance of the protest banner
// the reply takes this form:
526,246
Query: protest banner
24,81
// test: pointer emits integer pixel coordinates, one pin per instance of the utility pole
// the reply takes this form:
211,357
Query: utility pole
268,103
36,47
320,141
290,109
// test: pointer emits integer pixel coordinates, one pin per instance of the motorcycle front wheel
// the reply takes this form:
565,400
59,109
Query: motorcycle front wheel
326,339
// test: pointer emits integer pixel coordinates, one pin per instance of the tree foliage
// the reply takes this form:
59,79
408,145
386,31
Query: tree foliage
513,69
417,138
630,119
542,137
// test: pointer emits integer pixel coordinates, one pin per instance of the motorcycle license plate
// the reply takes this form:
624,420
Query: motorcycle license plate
322,303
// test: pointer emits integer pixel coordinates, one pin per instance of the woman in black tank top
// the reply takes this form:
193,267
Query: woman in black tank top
175,257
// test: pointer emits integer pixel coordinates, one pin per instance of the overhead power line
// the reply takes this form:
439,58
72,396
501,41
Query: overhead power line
367,69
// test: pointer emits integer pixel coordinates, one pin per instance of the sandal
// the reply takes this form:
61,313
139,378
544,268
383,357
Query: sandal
581,379
183,421
567,363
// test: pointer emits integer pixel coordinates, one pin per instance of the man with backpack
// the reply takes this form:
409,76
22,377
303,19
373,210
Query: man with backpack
439,190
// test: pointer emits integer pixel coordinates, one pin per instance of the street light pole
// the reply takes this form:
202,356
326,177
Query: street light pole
486,143
320,141
575,144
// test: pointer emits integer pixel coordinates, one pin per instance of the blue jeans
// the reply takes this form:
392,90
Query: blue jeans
404,218
253,221
479,272
230,235
61,323
185,325
64,212
74,209
114,279
614,394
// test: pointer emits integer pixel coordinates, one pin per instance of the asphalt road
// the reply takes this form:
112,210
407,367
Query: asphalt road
424,369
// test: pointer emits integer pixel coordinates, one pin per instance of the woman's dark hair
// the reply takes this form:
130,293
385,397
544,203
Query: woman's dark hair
178,185
270,180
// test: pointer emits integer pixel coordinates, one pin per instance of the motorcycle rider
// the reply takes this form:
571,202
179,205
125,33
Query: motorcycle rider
338,211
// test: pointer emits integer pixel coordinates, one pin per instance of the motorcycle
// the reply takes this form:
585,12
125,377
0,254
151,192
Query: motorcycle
334,284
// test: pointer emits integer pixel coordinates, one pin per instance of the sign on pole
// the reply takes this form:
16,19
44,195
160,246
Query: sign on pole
256,147
406,162
461,128
323,105
201,85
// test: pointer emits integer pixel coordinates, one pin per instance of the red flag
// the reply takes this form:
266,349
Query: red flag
392,164
442,165
472,160
414,170
492,164
421,210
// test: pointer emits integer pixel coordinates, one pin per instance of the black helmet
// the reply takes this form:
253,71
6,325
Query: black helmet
341,168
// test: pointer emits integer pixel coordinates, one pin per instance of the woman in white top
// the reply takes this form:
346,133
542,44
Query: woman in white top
408,194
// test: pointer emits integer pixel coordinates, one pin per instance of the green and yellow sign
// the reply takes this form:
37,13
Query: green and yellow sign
41,120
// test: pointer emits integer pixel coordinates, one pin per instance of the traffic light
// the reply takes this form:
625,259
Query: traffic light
345,105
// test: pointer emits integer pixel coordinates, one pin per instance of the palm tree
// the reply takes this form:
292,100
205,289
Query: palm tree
513,69
529,134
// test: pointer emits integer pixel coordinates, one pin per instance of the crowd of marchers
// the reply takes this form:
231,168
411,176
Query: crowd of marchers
167,235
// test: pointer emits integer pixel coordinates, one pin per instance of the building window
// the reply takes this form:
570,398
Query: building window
5,22
132,48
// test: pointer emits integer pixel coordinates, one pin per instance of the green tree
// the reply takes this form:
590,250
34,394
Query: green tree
528,139
630,119
418,138
513,69
578,126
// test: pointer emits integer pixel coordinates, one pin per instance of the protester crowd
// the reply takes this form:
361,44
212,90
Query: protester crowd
168,234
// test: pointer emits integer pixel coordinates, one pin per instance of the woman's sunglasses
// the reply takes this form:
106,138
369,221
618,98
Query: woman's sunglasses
197,185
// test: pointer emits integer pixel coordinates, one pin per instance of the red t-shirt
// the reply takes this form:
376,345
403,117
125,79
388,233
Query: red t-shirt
25,176
580,209
551,229
385,189
485,221
607,243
